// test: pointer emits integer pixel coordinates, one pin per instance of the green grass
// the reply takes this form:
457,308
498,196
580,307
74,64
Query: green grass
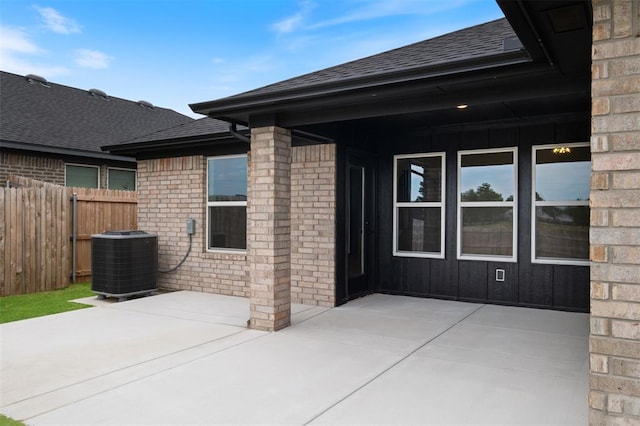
15,308
8,421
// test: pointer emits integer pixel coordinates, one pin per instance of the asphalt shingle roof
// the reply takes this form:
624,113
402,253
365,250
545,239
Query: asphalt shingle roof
470,43
65,117
200,127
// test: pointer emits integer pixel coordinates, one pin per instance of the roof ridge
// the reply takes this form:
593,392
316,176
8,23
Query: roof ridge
69,118
89,91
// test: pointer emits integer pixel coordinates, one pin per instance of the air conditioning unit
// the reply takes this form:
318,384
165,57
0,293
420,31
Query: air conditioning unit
124,263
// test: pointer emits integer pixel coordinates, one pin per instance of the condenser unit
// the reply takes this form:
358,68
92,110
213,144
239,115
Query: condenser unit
124,263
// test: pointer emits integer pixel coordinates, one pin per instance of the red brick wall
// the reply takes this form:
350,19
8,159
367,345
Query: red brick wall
46,169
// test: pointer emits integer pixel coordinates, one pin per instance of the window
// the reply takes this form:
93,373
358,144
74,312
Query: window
560,199
82,176
227,203
123,179
418,202
487,200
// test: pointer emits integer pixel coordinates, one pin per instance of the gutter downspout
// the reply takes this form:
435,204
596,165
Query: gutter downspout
234,132
535,32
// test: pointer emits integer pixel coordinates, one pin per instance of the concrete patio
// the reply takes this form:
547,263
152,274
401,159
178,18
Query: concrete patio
188,358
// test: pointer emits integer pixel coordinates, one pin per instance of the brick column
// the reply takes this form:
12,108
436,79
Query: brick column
614,344
268,228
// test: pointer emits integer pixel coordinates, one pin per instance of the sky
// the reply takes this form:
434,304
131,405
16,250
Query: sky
175,52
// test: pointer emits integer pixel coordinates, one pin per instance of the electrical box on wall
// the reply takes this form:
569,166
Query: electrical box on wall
191,226
500,275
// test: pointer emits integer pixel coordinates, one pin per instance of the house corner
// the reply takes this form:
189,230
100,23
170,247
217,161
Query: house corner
614,346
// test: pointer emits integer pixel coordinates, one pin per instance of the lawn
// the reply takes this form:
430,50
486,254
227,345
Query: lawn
8,421
14,308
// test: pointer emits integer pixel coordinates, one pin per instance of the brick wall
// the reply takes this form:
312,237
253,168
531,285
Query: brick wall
46,169
269,228
614,396
313,224
170,191
173,190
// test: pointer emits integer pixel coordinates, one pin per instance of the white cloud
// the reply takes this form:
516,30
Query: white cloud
235,75
56,22
304,31
88,58
291,23
16,40
23,67
374,9
14,46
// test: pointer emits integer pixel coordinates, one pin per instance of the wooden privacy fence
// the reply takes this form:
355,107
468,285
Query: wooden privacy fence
37,228
99,210
34,245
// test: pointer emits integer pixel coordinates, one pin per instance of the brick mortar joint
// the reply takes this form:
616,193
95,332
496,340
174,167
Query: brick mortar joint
609,374
613,338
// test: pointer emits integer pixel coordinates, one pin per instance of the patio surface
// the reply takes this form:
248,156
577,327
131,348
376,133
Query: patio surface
188,358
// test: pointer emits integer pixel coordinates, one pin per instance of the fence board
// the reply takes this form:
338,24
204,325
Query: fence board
2,242
13,196
100,211
31,276
39,237
36,228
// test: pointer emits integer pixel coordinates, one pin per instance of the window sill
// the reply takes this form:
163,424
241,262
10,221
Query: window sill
240,255
568,262
488,258
424,255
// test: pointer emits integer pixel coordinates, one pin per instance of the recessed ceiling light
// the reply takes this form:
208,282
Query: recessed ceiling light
462,106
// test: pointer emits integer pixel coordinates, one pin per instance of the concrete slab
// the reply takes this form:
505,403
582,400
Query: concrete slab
186,358
215,309
518,367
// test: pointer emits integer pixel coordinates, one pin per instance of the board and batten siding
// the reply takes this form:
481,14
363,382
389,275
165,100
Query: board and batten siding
564,287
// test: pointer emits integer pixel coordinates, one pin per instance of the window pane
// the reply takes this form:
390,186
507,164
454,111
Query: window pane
563,175
228,179
419,229
228,227
562,232
487,177
487,231
419,179
84,177
122,179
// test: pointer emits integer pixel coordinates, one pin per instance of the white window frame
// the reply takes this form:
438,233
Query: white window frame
534,204
135,175
222,204
513,204
81,165
397,205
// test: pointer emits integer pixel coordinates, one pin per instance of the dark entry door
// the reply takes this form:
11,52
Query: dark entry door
360,227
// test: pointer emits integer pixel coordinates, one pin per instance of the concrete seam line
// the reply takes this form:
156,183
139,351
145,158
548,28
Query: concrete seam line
383,372
85,397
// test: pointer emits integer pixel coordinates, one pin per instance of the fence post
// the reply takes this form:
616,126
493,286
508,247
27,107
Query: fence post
74,237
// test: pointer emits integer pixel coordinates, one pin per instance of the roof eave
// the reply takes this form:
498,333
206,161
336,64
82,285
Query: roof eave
21,146
228,108
173,143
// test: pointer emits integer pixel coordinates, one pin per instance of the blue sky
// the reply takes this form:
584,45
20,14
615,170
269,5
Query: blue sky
175,52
